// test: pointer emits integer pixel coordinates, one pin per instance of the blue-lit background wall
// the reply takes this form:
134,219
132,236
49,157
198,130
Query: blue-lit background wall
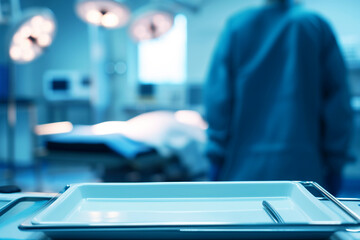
70,51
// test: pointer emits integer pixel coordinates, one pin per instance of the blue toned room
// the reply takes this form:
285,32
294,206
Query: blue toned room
179,119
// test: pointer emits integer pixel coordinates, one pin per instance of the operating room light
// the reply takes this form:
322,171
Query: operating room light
109,20
105,13
32,35
152,24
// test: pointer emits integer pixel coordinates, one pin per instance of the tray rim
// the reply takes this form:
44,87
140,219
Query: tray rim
73,187
28,226
12,203
259,232
299,185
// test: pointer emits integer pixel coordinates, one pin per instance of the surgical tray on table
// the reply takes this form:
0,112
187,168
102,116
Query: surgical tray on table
211,210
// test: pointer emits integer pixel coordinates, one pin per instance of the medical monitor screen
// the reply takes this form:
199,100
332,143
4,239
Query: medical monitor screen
60,84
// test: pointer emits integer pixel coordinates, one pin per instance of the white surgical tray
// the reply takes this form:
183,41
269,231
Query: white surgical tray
191,210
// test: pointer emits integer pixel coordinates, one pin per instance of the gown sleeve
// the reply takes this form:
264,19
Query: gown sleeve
218,99
337,115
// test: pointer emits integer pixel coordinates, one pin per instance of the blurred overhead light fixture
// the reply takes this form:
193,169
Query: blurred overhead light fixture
151,22
32,34
105,13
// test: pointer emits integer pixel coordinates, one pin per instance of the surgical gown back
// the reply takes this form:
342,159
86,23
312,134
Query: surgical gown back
276,97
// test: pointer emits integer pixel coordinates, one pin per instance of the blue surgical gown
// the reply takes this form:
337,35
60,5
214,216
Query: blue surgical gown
277,98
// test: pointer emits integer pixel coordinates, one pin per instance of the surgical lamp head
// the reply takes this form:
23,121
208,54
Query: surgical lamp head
105,13
31,34
151,21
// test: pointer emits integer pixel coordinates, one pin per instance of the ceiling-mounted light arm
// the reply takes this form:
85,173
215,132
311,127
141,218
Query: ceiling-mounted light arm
105,13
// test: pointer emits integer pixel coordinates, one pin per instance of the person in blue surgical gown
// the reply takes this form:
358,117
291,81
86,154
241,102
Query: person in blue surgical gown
276,98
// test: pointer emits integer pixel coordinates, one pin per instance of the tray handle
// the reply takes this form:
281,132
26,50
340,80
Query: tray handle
322,194
271,211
